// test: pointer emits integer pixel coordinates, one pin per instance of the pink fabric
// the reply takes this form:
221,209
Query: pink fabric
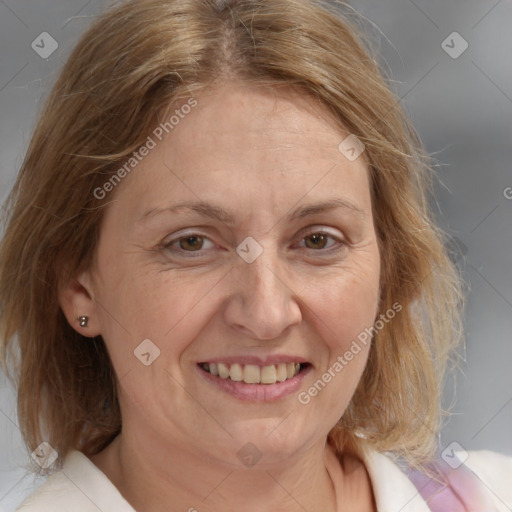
452,490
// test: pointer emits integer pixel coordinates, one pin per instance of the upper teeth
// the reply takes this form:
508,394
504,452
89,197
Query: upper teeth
253,374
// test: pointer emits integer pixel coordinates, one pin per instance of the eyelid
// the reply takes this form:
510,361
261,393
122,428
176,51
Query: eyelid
324,230
167,243
184,233
339,238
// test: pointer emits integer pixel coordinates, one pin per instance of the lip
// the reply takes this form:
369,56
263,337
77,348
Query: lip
257,360
257,393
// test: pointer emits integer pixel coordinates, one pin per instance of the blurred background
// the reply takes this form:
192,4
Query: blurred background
447,62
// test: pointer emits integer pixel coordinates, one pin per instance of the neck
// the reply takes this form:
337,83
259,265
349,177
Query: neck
175,479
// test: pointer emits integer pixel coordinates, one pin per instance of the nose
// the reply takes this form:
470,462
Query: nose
262,304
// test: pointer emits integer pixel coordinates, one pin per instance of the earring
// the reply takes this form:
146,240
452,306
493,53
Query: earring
84,320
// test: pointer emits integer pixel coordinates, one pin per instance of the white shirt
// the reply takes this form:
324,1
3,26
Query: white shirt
81,487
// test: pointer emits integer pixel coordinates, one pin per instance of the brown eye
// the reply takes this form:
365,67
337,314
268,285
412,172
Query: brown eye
191,243
316,241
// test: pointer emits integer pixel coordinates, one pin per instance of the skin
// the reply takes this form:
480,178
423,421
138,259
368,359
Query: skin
261,154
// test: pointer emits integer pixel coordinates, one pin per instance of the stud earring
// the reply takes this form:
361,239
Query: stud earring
84,320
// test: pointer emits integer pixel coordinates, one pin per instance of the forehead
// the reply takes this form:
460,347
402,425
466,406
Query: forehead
240,120
246,146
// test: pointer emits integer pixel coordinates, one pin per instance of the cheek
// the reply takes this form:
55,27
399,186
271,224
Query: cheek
151,322
138,304
342,313
345,306
342,320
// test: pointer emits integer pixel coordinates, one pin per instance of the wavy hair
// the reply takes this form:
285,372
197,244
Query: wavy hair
138,58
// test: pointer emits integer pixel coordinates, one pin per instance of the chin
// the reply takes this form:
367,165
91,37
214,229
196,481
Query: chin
269,441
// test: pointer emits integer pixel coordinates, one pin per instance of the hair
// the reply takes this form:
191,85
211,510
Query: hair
137,59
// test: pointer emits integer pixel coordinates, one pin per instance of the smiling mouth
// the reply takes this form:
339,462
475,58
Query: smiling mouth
254,374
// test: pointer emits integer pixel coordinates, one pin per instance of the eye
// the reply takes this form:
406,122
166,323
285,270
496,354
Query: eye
317,240
189,243
321,240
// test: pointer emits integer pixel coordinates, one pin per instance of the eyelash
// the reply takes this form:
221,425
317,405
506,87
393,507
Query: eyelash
324,233
180,252
194,254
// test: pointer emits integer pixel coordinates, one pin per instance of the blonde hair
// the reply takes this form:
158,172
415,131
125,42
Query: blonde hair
134,61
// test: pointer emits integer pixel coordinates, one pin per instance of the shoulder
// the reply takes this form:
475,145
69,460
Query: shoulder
56,492
467,481
470,481
78,486
494,470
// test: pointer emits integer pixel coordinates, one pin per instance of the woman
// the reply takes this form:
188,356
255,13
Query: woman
223,277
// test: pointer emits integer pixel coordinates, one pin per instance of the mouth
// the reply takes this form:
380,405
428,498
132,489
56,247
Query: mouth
254,374
256,381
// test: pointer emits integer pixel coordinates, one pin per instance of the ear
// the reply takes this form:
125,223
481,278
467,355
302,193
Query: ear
76,299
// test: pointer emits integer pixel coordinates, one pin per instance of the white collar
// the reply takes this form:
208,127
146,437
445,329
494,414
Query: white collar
392,489
93,483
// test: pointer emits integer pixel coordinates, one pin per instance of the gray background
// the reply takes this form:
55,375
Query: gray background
462,108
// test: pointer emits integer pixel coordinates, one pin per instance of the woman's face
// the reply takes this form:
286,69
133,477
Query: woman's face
243,242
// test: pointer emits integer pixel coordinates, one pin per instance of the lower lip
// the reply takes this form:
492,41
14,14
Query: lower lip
257,392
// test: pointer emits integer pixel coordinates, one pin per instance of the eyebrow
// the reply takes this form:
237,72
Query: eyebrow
331,204
215,212
201,207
